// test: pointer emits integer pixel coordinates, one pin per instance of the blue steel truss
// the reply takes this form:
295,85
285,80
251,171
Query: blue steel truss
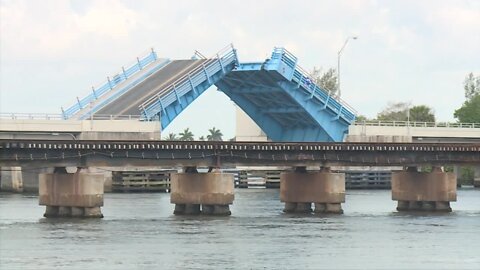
277,94
172,100
285,102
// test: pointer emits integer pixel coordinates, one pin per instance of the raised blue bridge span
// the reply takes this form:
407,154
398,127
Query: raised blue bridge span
277,94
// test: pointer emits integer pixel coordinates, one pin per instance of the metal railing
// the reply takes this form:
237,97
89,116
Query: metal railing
110,83
415,124
285,56
154,104
304,78
58,116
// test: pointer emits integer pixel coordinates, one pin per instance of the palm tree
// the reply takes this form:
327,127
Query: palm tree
171,137
215,135
202,138
186,135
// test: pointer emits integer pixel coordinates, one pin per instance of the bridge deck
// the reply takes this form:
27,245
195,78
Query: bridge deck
279,95
283,100
116,90
127,104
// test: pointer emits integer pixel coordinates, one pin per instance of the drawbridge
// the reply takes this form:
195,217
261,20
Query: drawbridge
277,94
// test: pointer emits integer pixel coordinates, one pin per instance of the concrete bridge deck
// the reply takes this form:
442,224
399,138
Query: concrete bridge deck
440,132
129,102
98,128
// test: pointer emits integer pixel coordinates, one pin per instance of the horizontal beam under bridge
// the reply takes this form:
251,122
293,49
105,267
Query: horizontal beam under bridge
216,154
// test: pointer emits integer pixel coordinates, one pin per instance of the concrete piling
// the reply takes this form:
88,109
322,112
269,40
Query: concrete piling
300,188
64,194
202,193
424,191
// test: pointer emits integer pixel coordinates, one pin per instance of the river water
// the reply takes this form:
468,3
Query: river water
140,232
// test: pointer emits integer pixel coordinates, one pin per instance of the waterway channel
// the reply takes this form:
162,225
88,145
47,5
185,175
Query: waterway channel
139,231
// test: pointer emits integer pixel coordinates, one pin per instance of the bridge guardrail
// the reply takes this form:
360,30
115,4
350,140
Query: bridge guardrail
58,116
160,101
303,77
416,124
111,83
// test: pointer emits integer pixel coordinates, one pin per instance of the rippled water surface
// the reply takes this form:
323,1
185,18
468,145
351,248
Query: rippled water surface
140,232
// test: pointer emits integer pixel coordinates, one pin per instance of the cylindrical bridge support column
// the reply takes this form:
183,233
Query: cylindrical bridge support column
206,193
424,191
78,194
300,188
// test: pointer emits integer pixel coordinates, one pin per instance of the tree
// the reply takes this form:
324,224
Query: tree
422,113
327,80
394,112
471,85
361,118
470,111
215,135
186,135
171,137
201,138
401,111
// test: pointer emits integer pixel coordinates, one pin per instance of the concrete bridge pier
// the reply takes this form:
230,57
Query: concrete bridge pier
11,179
424,191
202,193
300,188
78,194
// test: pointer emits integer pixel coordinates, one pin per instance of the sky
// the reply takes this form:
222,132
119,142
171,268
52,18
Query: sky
406,51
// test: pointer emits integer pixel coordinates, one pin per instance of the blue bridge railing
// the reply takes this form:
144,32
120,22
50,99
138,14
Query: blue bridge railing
304,79
285,56
158,103
98,92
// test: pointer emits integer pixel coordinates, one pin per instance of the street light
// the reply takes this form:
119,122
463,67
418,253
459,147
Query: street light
338,61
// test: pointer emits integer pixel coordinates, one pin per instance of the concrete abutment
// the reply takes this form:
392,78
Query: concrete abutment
196,193
301,188
424,191
78,194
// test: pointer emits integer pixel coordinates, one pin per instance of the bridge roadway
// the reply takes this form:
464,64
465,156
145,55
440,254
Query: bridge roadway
427,132
218,154
128,103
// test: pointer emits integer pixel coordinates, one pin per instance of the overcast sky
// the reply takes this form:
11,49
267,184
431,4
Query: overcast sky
413,51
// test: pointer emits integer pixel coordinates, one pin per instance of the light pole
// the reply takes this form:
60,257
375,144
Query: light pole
338,62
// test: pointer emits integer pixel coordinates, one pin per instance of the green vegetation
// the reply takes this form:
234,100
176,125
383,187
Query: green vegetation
469,113
403,111
327,80
466,176
470,110
171,137
187,135
361,118
215,135
471,85
422,113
